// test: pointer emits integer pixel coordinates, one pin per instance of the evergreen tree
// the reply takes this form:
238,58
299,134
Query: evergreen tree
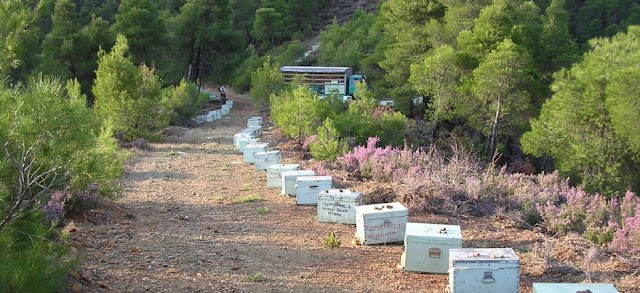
138,21
500,102
16,20
268,27
588,125
61,47
126,96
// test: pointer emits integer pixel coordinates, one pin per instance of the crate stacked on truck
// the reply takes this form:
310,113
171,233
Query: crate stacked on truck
324,80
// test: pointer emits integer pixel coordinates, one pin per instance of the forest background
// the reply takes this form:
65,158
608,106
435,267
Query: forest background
535,86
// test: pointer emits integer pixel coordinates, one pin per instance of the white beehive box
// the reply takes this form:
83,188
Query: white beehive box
266,159
255,132
251,149
309,187
289,180
484,270
381,223
240,135
244,141
256,129
573,288
338,206
274,174
426,247
225,109
254,122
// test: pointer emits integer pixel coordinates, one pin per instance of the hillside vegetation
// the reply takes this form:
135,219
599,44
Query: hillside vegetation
528,88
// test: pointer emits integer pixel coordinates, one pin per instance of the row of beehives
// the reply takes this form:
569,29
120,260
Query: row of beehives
428,248
215,114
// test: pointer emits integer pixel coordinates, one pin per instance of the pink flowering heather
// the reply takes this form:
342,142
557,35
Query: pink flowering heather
54,209
627,238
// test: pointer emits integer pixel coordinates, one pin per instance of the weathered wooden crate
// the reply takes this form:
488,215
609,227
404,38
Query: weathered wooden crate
426,247
381,223
484,270
308,188
338,206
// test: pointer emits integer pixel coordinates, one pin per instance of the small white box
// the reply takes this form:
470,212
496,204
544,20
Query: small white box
251,149
484,270
266,159
256,129
426,247
308,188
274,174
225,109
572,288
289,180
338,206
381,223
254,121
240,135
244,141
253,131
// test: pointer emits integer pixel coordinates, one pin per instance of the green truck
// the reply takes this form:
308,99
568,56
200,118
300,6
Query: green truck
324,80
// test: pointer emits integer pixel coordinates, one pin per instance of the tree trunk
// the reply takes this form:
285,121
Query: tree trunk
494,130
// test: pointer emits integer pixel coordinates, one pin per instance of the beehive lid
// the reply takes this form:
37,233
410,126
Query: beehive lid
339,195
428,233
383,210
297,173
290,167
483,255
267,153
573,288
313,178
257,145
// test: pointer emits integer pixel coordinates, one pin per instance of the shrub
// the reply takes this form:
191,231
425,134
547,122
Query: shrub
331,241
251,62
365,119
327,146
298,113
627,238
127,96
183,102
265,82
54,128
31,260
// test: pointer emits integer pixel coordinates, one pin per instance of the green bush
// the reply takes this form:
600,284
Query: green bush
61,132
266,81
183,102
331,241
31,259
242,79
127,96
364,119
298,112
328,145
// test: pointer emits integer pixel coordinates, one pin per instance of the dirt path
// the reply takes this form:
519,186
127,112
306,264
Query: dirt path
185,224
181,226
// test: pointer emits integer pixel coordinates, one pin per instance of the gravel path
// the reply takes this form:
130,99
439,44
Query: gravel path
194,218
